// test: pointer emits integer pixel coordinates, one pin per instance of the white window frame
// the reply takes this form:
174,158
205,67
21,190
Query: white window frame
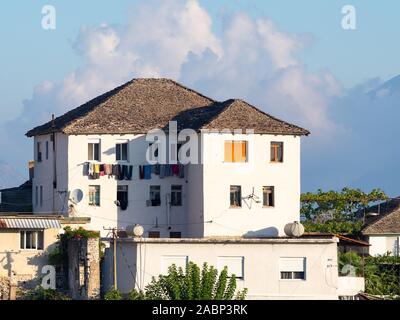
97,187
122,142
36,236
93,142
164,259
292,279
221,264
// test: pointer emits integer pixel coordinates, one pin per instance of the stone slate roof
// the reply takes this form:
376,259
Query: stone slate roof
388,222
144,104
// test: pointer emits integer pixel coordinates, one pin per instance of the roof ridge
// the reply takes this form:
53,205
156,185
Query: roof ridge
273,117
233,100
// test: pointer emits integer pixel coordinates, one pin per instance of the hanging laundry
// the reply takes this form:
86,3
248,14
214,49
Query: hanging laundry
181,171
128,173
175,169
102,171
86,168
157,169
162,171
141,172
147,172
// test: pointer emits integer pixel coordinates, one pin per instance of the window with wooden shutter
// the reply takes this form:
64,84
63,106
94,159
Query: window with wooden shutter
235,151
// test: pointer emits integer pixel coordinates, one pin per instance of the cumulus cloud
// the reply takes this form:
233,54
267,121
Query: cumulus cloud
249,59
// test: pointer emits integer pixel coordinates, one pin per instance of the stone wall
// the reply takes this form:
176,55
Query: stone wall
84,268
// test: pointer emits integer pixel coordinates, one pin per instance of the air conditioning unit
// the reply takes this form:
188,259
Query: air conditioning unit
148,203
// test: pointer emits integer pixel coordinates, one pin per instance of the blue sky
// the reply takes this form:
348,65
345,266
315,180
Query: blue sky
31,55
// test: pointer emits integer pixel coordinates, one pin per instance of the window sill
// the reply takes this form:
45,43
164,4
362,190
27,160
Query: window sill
292,280
276,162
268,207
235,207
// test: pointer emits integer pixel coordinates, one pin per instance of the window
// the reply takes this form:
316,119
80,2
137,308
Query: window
39,151
94,151
37,195
236,196
155,196
41,195
235,151
122,197
167,261
121,151
47,150
175,234
292,268
276,151
176,195
31,240
268,196
94,196
234,264
154,234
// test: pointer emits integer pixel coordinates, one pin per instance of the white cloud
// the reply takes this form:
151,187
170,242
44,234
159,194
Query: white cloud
249,59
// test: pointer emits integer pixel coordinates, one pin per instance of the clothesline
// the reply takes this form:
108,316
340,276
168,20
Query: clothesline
125,172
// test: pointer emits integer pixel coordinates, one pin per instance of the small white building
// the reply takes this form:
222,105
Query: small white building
383,230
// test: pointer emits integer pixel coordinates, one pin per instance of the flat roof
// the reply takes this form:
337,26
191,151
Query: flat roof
233,240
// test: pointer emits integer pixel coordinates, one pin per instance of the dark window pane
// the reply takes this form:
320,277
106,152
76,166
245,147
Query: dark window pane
125,151
298,275
118,151
40,244
97,152
286,275
174,234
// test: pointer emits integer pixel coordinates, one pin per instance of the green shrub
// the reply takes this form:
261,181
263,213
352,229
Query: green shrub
113,295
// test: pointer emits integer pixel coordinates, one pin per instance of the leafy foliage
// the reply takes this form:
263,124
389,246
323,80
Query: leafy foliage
335,212
44,294
194,285
113,295
381,273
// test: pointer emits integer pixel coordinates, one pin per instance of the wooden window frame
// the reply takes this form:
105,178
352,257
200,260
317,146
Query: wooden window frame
274,156
272,189
234,206
93,202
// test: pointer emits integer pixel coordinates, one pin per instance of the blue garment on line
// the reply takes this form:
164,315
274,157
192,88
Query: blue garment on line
147,172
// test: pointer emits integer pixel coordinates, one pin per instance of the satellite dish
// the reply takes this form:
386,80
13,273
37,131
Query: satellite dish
76,196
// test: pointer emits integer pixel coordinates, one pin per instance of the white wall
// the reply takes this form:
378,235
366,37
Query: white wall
108,214
53,199
252,219
206,187
381,244
261,264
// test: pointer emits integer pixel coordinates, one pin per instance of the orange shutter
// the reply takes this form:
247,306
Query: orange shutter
228,151
239,151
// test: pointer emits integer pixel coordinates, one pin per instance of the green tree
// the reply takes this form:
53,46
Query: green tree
336,211
194,285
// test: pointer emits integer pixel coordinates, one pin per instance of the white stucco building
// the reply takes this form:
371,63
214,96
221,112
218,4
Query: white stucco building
383,228
243,184
243,181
